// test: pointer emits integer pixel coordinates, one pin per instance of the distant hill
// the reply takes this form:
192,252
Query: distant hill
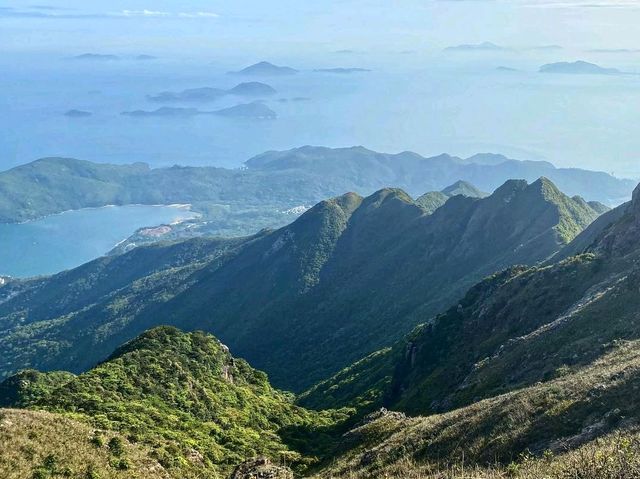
255,110
266,69
274,181
253,88
96,57
433,200
206,94
578,68
265,296
464,188
77,113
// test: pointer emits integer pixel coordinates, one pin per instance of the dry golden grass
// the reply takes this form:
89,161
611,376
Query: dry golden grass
564,417
39,445
616,456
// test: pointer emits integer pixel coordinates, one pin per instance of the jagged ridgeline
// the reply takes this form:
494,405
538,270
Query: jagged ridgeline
350,276
540,361
533,373
182,406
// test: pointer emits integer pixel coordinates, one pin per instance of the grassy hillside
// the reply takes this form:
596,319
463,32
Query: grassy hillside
41,445
198,410
266,296
273,183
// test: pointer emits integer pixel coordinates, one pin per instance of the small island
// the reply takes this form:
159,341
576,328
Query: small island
207,94
255,110
253,88
578,68
77,113
96,57
266,69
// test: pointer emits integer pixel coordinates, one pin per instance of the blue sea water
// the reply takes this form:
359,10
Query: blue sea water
63,241
428,104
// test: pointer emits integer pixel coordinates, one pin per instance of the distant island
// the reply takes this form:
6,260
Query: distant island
77,113
578,68
505,69
341,70
266,69
253,88
96,57
614,50
248,89
165,111
255,110
475,47
146,57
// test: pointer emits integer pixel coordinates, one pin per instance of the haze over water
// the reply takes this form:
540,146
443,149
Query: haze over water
416,98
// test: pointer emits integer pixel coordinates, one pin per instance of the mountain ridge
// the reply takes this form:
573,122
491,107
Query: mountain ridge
265,295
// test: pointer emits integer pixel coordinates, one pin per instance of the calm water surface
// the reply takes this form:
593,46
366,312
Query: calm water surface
63,241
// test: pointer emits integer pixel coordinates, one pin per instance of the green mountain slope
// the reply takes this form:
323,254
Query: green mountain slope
267,296
183,396
531,359
433,200
271,183
533,374
511,330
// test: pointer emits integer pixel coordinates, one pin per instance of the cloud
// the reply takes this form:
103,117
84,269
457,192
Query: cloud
145,13
198,15
48,12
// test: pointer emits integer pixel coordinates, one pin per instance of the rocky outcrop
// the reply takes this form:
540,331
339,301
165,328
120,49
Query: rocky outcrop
261,468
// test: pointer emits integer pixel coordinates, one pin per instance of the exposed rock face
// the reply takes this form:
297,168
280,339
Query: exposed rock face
261,468
623,236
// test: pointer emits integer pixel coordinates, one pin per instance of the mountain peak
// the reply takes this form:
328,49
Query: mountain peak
464,188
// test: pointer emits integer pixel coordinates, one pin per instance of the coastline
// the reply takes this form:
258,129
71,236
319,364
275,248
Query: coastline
187,206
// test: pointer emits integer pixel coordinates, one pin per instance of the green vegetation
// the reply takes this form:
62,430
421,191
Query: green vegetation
41,445
534,373
183,397
386,265
271,184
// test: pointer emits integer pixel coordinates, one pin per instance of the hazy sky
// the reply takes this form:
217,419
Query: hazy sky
584,122
287,27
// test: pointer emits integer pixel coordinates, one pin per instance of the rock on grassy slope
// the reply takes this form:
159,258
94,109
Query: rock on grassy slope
386,264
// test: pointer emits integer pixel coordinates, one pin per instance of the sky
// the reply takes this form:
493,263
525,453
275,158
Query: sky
288,27
580,126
